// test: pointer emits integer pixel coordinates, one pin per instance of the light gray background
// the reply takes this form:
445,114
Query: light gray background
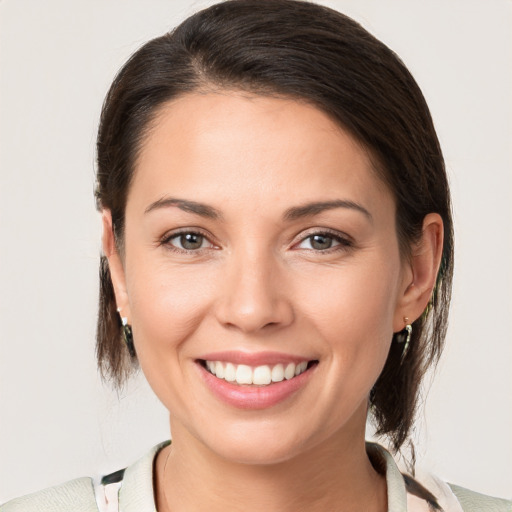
57,58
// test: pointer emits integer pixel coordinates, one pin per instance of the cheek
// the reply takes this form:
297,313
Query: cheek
167,306
352,316
352,309
167,302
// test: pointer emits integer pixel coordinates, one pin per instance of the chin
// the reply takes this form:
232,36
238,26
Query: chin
257,454
261,444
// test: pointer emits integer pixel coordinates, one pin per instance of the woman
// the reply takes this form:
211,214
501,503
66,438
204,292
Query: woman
278,259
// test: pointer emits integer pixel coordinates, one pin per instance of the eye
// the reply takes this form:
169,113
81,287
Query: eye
190,241
187,241
324,242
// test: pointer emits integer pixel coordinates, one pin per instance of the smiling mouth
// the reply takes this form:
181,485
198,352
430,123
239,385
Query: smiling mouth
263,375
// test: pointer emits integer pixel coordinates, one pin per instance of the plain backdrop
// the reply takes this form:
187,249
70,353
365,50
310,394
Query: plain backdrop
57,59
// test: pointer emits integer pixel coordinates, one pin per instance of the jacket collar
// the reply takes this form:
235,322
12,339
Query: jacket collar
137,495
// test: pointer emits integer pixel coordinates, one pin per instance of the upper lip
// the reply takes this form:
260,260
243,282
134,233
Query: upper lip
254,358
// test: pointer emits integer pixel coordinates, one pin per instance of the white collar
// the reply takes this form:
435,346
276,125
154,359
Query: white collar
136,493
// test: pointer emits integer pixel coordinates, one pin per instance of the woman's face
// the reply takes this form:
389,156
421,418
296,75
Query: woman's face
259,244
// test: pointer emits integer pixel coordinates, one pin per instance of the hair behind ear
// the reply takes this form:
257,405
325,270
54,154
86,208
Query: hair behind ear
393,399
114,361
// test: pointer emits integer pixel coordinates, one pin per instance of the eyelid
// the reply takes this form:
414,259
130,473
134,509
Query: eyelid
169,235
345,241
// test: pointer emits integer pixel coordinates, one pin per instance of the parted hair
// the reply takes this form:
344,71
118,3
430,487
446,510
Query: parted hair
304,51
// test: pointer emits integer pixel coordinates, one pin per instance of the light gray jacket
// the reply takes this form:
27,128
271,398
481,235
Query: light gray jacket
133,492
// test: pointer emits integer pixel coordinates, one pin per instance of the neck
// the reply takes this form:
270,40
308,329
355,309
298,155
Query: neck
334,475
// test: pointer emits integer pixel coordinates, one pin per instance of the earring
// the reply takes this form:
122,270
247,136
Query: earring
404,336
127,334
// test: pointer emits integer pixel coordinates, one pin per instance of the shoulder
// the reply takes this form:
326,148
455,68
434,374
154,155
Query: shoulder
472,501
453,497
130,488
427,492
73,496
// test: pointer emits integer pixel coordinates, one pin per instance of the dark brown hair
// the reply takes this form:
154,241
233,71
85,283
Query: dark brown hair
299,50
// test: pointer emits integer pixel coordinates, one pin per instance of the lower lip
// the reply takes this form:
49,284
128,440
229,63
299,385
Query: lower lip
254,397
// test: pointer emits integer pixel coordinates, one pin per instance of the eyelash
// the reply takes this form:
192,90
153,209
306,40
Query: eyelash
166,241
343,242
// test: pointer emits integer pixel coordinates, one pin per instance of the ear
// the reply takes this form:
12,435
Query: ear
421,275
115,264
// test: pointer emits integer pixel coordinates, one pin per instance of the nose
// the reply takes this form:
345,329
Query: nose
254,297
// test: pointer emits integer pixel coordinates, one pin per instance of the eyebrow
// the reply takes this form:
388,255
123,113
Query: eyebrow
311,209
294,213
188,206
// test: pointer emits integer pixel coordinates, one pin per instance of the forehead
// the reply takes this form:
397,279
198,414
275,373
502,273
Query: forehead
251,150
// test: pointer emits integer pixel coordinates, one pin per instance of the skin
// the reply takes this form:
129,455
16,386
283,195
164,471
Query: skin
257,284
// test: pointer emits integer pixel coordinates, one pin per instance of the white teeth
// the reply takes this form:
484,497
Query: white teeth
301,367
289,371
243,374
278,373
262,375
230,374
219,370
259,375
